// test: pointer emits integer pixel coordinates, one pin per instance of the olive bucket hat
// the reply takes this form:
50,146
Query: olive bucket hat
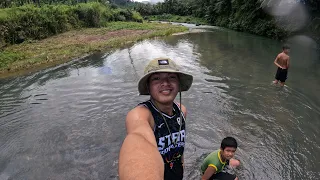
163,65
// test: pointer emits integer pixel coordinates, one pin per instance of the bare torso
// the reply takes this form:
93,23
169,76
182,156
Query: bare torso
283,59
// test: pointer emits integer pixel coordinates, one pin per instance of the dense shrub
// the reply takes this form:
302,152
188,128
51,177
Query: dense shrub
31,22
241,15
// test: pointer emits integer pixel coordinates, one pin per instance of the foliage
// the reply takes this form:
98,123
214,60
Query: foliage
30,22
177,18
240,15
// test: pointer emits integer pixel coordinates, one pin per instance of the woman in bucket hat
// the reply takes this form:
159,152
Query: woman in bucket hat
154,146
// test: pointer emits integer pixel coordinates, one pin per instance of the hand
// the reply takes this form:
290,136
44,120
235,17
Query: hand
234,163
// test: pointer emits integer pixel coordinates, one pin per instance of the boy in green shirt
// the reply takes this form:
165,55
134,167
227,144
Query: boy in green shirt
215,162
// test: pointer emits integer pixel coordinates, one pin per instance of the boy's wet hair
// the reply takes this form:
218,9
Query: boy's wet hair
285,46
229,142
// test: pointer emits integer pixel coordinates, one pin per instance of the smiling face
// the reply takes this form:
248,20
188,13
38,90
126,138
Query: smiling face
164,87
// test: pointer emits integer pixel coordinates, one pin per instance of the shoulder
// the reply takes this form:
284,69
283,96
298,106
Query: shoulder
212,158
214,155
183,108
139,111
281,54
285,57
138,116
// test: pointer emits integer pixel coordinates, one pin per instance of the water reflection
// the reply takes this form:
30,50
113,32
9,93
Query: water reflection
67,122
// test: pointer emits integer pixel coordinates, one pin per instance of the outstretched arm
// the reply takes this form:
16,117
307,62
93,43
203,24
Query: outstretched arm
139,156
184,111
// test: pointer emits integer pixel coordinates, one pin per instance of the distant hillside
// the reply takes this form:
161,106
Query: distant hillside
150,1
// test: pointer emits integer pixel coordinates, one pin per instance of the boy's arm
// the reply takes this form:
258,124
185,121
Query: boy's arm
139,156
184,111
182,160
211,170
276,62
288,63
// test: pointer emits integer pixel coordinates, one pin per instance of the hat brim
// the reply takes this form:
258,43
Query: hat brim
185,80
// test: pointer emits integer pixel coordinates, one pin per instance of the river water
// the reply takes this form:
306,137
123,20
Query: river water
68,122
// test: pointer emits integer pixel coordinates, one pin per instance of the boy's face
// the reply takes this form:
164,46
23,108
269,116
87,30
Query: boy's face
164,87
228,152
286,51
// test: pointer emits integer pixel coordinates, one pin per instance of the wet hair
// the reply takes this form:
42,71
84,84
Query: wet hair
285,46
229,142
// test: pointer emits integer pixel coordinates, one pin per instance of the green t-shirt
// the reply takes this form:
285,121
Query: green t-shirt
213,160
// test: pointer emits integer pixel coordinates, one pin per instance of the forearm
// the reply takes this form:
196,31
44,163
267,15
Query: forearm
139,159
208,173
277,64
182,159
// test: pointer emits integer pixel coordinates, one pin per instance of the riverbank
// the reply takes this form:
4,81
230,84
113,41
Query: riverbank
35,55
176,18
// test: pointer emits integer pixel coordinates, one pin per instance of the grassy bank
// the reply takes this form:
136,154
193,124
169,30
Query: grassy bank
176,18
77,43
18,24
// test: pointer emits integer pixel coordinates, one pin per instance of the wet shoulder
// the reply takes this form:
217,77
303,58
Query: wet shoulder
284,56
141,113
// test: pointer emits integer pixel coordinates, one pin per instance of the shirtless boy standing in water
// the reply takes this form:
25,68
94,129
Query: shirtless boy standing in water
282,61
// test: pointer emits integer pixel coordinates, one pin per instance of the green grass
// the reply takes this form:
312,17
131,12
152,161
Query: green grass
77,43
9,57
176,18
112,26
30,22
